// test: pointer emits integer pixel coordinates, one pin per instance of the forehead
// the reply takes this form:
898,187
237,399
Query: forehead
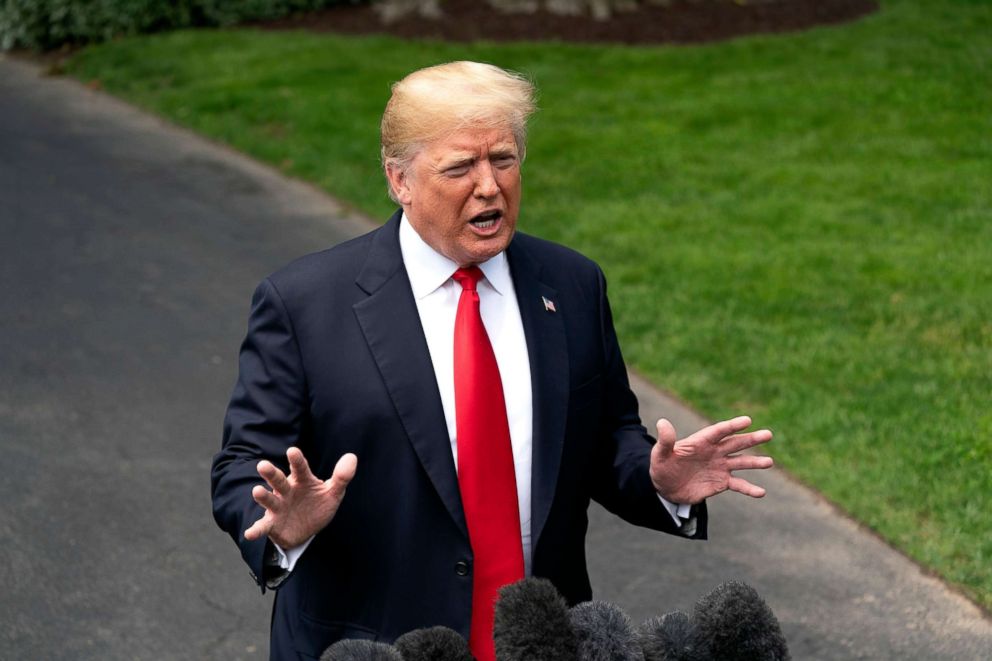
471,142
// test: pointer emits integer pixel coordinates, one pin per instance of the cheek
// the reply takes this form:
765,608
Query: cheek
433,201
453,200
509,183
445,207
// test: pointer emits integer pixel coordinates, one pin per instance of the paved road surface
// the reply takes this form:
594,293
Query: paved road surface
129,252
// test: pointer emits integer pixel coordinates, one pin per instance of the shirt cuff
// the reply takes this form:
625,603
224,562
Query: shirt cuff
289,557
674,510
682,515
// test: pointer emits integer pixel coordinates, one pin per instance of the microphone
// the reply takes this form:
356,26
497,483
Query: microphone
604,632
433,644
532,623
360,650
738,625
671,637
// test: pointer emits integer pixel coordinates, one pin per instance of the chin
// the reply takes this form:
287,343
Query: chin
488,249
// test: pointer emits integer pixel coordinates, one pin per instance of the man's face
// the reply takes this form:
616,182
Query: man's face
462,193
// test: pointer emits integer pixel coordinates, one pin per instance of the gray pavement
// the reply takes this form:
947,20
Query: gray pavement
128,253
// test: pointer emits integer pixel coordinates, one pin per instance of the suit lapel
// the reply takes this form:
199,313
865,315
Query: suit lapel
405,365
392,329
548,355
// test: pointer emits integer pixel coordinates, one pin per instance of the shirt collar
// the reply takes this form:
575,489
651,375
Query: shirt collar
428,269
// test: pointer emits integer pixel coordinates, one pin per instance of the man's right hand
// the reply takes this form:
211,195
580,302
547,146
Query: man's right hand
300,505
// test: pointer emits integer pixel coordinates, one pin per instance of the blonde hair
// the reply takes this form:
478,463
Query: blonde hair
432,102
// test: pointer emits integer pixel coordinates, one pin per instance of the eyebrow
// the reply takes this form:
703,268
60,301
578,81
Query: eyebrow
500,152
459,160
456,161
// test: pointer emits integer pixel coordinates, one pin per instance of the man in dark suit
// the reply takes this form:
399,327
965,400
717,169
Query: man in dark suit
475,373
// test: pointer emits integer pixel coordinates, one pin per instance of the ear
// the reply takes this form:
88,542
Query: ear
399,182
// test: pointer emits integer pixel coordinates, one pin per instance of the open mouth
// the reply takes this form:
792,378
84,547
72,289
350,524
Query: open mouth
486,219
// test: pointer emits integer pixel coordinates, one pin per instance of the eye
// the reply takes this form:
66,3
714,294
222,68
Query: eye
504,162
457,171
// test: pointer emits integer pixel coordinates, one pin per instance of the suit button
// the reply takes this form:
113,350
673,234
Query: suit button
461,568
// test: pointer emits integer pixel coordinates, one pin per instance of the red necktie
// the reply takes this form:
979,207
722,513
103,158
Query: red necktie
485,466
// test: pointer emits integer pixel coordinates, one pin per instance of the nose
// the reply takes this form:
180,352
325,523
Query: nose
485,180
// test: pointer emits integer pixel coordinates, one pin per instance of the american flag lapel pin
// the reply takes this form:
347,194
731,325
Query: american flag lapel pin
549,305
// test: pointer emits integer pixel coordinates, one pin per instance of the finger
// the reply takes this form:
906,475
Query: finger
748,462
666,437
259,529
344,472
298,466
743,486
264,497
275,478
721,430
739,442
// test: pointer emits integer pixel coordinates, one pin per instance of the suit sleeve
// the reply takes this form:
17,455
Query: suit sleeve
265,417
624,485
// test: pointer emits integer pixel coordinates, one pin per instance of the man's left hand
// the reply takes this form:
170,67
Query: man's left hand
702,465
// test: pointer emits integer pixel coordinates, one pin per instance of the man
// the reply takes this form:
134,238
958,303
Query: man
463,381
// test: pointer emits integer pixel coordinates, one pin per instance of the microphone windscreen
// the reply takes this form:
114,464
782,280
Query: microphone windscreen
532,623
360,650
671,637
433,644
739,626
603,631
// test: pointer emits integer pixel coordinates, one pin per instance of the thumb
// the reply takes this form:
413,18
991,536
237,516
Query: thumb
344,472
666,438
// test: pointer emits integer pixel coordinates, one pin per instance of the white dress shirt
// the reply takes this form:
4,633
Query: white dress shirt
436,296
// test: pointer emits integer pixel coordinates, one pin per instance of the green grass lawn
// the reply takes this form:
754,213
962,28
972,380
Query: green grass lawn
798,227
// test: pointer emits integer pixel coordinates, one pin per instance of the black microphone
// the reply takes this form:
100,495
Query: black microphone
360,650
532,623
671,637
604,633
738,625
433,644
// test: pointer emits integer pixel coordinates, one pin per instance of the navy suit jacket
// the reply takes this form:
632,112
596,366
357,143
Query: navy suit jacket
335,361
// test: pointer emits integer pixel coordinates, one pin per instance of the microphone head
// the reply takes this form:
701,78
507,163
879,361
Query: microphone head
360,650
603,632
738,625
433,644
671,637
532,623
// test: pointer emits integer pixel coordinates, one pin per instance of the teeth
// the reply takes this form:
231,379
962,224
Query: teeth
486,220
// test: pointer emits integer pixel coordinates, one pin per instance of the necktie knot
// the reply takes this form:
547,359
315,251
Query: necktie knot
468,277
